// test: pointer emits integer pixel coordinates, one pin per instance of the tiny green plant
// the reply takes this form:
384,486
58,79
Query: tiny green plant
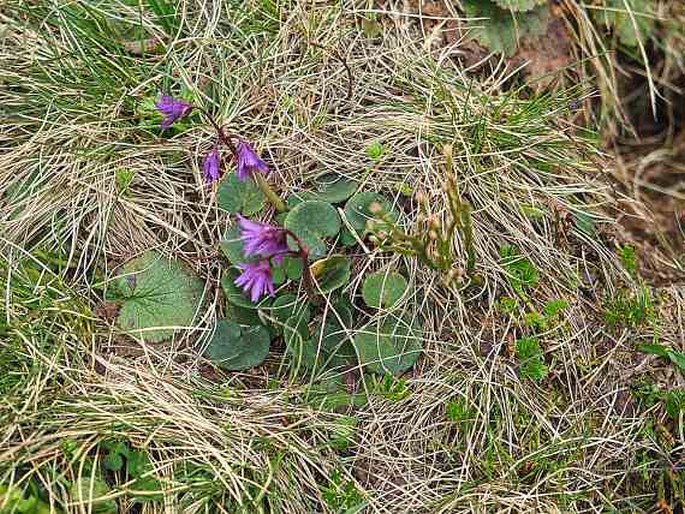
531,360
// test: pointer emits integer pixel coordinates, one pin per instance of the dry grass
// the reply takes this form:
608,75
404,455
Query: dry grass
469,434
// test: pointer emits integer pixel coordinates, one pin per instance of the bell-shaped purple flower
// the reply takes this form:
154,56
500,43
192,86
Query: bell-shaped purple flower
248,162
256,279
262,239
211,165
172,109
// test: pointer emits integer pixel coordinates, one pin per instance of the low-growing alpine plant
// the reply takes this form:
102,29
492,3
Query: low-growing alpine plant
288,277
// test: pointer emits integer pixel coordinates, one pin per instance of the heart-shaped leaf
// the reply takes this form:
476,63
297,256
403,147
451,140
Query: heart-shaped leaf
331,273
383,289
158,296
235,348
235,196
389,346
312,222
367,207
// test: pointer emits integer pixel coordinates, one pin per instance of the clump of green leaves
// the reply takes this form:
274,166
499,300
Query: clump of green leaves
532,363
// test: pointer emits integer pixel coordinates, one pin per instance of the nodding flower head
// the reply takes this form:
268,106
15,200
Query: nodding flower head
262,239
211,165
172,109
256,279
248,162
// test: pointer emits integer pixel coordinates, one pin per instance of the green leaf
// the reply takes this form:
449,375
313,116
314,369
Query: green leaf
296,337
391,346
584,224
553,308
519,5
677,358
89,491
383,289
331,273
329,188
158,294
522,273
290,268
655,349
236,348
235,196
617,15
501,29
358,211
313,221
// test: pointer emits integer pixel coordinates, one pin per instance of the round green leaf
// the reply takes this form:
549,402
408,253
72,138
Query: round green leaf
391,346
358,210
312,222
235,348
159,295
235,196
331,273
288,306
330,188
383,289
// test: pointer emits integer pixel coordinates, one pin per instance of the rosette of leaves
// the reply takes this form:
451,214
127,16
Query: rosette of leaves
313,222
502,23
156,296
383,289
389,345
234,347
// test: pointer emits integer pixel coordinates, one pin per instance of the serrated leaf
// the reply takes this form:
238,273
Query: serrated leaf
312,222
501,29
236,348
235,196
383,289
519,5
158,294
331,273
358,210
391,346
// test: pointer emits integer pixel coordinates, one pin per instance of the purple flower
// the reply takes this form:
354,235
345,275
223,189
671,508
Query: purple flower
173,109
248,161
256,279
211,165
262,239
